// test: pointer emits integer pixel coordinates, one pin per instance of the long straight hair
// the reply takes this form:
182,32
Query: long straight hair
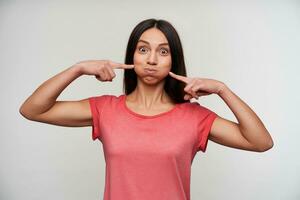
174,88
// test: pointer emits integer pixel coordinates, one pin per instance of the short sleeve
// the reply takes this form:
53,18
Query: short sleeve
206,118
96,107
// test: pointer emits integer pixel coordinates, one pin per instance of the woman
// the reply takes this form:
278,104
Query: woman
151,133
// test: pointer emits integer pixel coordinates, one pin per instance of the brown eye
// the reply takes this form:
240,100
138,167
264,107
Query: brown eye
164,51
142,49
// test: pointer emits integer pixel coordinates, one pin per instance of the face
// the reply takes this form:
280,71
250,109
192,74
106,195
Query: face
152,56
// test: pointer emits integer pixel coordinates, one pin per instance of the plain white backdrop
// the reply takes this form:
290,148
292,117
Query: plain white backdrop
252,46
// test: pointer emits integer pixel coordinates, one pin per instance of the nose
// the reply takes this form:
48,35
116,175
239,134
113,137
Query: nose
152,59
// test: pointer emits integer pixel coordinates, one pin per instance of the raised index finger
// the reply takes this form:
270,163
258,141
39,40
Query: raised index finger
179,77
121,65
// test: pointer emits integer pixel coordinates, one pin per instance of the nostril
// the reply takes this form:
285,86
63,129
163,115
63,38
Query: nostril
151,63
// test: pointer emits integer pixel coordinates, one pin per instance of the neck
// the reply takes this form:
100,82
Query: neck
149,96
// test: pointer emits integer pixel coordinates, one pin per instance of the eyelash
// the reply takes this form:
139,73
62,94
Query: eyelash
162,48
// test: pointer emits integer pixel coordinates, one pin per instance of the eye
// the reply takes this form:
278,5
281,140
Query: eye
142,49
164,51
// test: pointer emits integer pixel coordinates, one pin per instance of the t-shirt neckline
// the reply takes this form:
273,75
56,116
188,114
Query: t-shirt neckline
123,101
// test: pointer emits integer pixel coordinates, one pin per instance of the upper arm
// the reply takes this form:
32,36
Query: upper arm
227,133
67,113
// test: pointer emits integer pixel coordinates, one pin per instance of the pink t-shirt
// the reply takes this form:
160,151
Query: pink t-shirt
149,157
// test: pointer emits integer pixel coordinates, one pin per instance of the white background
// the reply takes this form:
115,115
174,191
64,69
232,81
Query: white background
252,46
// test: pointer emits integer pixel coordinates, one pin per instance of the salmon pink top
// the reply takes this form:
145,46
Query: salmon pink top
149,157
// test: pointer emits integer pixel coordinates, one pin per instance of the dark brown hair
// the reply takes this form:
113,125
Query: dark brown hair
173,87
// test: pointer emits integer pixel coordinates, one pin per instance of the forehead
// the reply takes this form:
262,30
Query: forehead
154,36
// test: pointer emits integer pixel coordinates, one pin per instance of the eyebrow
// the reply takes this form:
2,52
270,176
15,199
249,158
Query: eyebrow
149,43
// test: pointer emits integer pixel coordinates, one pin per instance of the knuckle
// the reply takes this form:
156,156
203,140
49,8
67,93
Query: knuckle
102,70
186,89
106,62
109,62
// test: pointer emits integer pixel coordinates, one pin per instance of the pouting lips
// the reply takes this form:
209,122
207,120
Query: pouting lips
149,70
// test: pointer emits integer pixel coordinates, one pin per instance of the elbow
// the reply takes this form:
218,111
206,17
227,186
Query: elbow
24,113
269,145
21,111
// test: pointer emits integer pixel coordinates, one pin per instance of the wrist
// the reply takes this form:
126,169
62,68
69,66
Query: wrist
222,88
77,69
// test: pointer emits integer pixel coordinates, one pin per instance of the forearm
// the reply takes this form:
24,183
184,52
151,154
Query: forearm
44,97
250,125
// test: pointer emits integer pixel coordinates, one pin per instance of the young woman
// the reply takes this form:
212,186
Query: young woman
151,133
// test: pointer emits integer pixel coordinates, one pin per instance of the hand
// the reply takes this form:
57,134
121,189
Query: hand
102,69
198,86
